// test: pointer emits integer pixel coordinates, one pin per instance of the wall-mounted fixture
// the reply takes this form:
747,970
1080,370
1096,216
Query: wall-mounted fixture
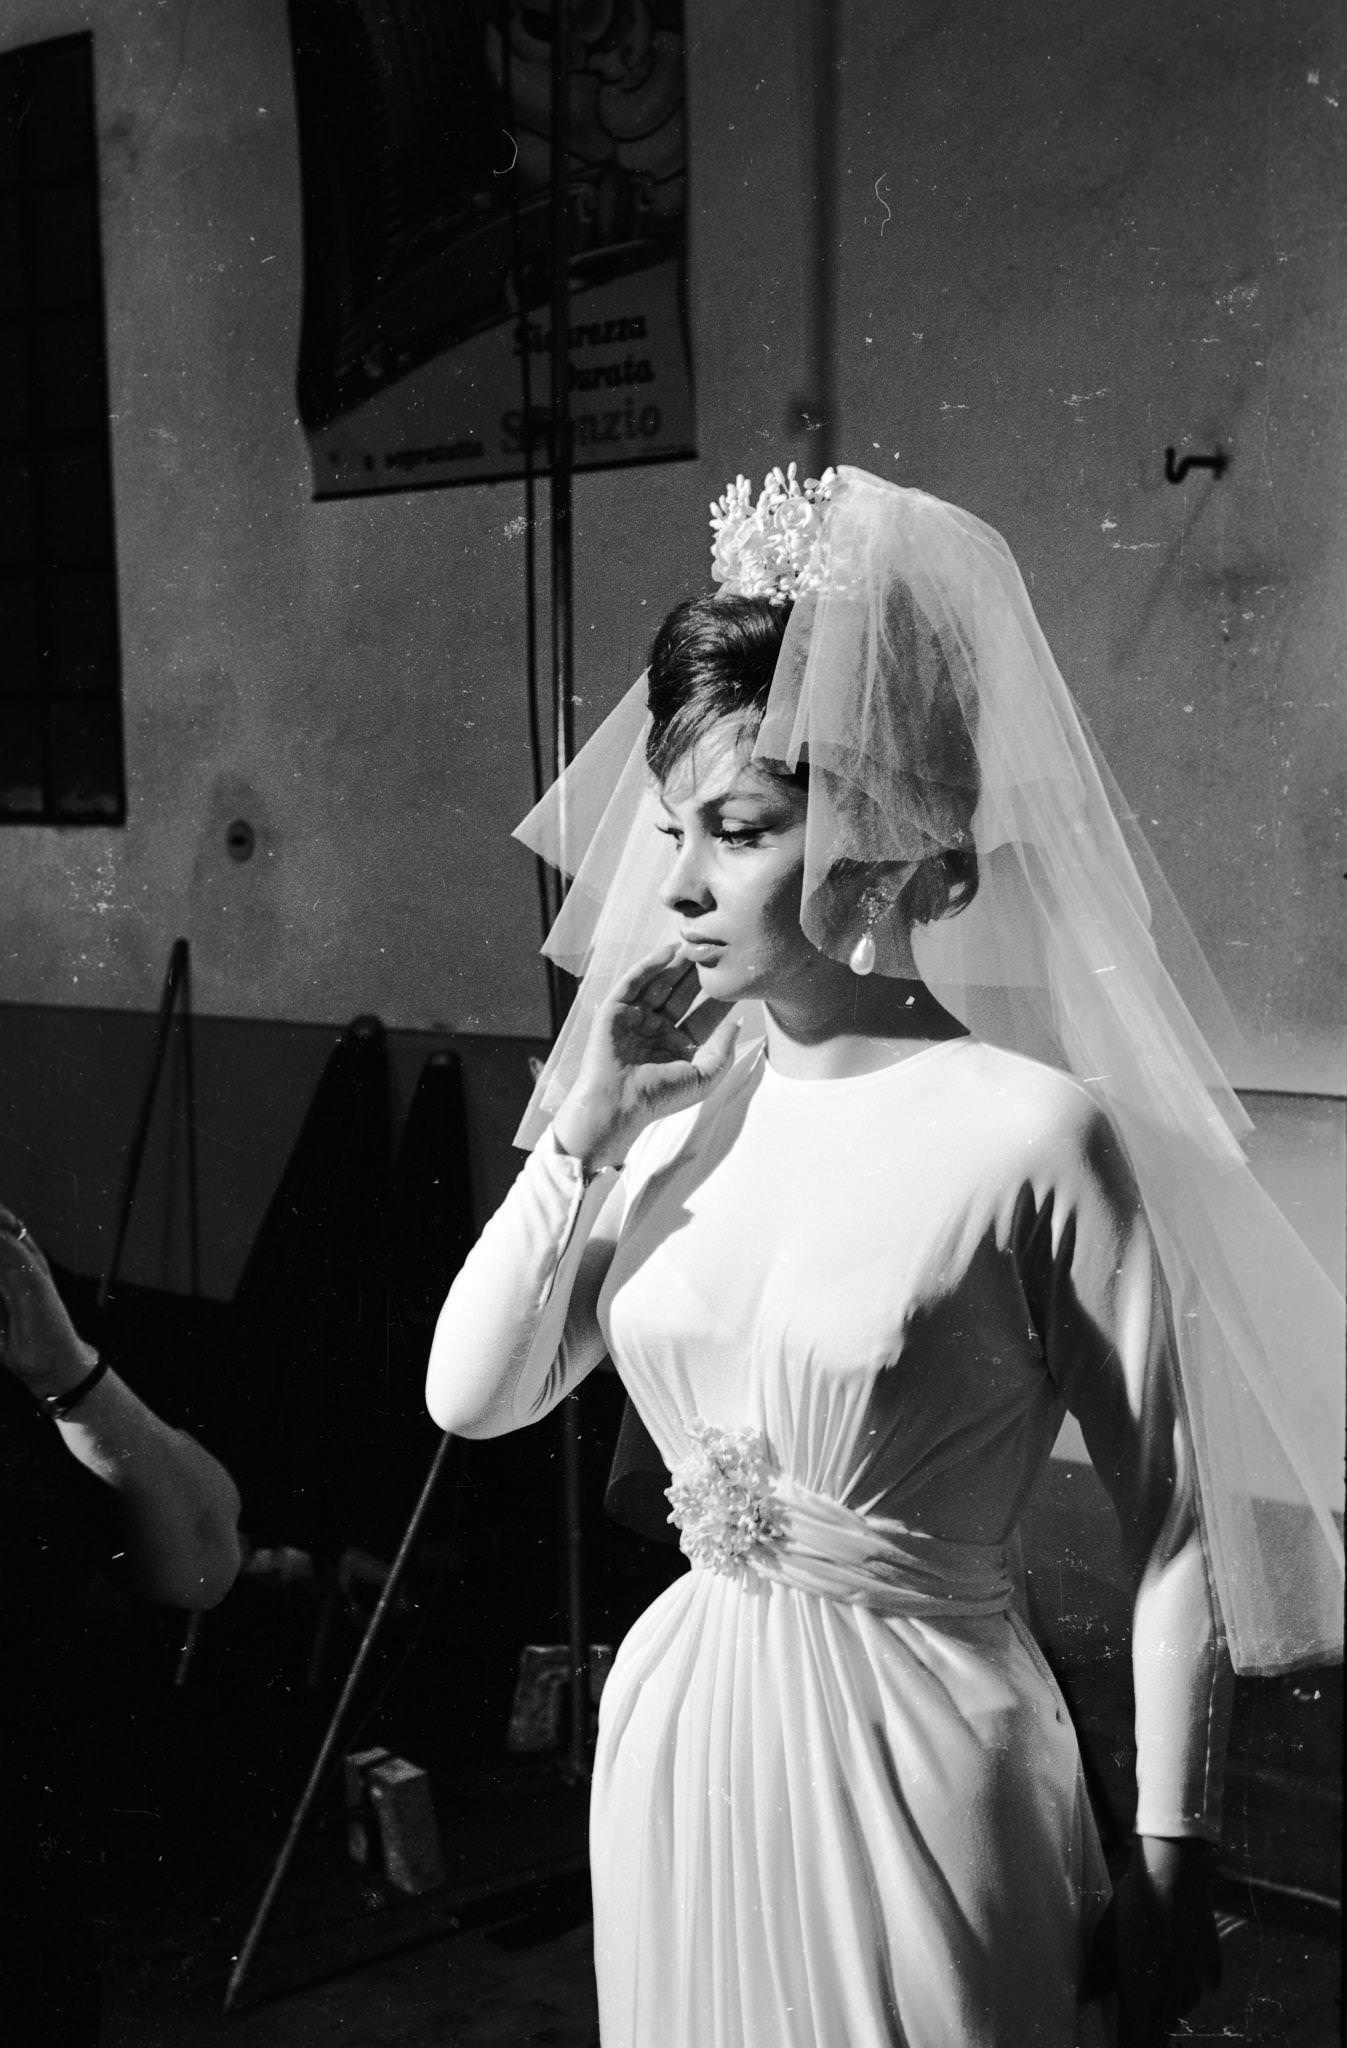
1175,472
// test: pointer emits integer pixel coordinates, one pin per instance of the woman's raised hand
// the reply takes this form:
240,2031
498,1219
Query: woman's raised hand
645,1058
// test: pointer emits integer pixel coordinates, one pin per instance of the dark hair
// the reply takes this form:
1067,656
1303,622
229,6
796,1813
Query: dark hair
714,658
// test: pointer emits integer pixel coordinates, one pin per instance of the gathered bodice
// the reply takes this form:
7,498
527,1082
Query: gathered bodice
832,1265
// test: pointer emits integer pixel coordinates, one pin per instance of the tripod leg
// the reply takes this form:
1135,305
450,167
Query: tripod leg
330,1740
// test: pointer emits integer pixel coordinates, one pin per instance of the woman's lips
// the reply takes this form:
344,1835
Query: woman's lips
702,951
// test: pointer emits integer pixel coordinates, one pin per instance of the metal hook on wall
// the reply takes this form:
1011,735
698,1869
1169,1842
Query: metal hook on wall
1175,472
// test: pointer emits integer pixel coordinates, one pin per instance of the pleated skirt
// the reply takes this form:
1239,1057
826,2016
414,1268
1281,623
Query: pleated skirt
814,1826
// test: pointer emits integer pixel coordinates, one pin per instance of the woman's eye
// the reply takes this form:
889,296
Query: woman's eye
727,835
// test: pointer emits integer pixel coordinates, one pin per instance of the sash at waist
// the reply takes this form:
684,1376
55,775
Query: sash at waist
737,1513
870,1561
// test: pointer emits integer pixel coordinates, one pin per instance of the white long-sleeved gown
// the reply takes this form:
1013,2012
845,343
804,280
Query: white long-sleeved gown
837,1799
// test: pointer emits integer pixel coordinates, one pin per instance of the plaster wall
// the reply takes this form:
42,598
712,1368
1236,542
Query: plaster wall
1066,237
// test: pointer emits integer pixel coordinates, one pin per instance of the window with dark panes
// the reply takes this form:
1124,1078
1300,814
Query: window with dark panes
60,665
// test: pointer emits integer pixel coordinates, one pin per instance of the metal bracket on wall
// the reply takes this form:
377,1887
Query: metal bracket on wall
1175,472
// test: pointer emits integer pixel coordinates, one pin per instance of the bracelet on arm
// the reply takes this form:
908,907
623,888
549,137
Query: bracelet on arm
58,1406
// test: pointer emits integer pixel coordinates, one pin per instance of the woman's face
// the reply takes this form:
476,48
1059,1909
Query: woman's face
735,881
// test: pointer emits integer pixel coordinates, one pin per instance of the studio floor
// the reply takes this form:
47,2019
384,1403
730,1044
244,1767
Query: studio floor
501,1955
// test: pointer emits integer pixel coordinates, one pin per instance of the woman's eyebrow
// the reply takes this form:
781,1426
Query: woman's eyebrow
721,800
747,794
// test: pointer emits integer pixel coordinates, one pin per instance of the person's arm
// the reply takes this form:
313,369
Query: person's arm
177,1508
1106,1325
520,1326
519,1329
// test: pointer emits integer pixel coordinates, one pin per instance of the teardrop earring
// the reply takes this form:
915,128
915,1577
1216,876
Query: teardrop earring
861,959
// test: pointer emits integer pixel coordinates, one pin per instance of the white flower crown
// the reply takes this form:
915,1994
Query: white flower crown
774,548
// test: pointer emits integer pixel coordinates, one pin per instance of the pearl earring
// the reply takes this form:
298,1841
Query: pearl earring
861,959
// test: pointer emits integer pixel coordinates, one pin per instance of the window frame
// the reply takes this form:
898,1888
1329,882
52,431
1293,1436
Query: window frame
60,655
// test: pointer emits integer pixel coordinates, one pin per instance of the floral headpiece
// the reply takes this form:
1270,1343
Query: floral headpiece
773,549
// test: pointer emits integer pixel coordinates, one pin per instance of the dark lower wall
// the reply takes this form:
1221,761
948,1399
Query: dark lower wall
71,1087
72,1082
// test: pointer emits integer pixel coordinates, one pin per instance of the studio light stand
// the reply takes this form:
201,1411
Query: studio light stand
552,889
563,733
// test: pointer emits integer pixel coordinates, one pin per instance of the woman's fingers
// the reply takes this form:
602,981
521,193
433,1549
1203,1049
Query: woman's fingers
650,1053
664,980
682,990
652,1000
703,1023
635,983
672,990
716,1053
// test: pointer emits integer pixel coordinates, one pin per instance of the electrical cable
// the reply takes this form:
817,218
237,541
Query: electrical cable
547,906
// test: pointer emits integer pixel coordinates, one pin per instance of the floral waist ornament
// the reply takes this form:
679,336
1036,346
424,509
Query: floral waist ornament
722,1500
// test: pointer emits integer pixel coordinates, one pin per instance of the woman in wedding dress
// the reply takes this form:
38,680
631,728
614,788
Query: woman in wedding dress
857,1229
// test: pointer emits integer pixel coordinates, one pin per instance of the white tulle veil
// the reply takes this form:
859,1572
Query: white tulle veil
915,683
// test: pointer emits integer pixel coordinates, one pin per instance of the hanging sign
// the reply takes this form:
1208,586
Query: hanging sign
425,156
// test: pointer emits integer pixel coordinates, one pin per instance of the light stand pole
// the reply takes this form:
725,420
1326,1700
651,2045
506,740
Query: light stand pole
563,734
328,1747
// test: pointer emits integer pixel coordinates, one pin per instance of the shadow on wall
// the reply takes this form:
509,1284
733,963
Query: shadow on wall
71,1087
